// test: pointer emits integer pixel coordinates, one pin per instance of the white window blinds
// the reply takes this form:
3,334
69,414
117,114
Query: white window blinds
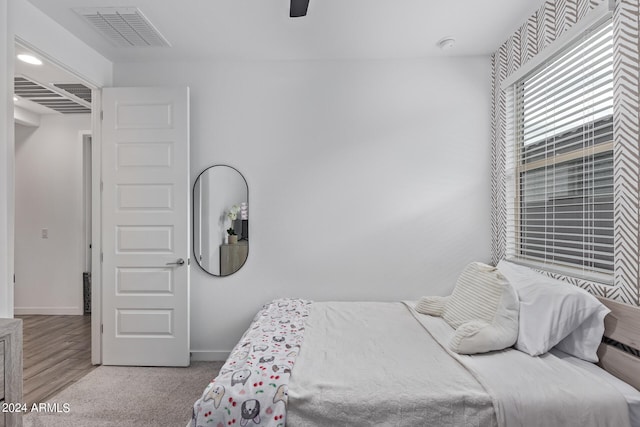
563,211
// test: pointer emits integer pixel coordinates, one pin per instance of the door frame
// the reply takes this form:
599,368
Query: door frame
96,204
96,225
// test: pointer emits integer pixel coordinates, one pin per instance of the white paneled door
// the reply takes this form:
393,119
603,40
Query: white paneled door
145,226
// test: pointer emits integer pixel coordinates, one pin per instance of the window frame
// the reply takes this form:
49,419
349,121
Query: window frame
515,137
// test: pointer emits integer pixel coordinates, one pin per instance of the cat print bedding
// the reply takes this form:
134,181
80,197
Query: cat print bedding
251,388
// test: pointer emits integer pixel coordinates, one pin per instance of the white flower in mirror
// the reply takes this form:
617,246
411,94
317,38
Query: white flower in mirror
233,212
233,215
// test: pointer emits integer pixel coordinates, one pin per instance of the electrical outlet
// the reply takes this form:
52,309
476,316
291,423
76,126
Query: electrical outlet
45,233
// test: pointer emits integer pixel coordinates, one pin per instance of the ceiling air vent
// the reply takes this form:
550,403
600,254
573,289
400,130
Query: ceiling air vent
65,103
81,91
123,26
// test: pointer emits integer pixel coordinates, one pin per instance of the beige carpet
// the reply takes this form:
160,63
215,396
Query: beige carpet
111,396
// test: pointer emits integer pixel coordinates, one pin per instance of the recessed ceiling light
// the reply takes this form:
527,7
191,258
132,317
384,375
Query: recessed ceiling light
446,43
29,59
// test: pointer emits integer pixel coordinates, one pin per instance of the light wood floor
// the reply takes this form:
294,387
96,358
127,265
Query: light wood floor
57,353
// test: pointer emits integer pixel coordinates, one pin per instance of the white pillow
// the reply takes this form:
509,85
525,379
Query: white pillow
584,341
550,310
483,309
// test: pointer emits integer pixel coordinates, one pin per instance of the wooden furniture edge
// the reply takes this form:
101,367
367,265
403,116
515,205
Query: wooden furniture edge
621,325
620,364
12,333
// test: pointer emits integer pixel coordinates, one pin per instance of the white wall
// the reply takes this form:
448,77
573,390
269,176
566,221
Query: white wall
48,194
368,180
25,117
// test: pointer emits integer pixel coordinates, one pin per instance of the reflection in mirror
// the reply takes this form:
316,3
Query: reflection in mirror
220,220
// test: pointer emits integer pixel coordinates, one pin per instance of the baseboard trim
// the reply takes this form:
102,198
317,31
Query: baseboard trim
49,311
209,356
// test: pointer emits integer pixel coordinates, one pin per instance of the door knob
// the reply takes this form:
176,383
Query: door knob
180,261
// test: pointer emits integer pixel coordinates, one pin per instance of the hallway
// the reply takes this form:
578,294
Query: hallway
57,352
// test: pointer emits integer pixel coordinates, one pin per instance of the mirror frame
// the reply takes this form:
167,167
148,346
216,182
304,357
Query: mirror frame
193,228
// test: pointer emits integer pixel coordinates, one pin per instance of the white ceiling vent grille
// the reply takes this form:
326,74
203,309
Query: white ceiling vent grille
123,26
81,91
50,97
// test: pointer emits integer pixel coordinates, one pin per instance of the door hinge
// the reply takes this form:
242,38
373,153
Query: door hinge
101,328
188,261
101,256
14,279
101,115
101,185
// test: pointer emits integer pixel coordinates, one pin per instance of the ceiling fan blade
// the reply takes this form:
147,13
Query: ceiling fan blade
298,8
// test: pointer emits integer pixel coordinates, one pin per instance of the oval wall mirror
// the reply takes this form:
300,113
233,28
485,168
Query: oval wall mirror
220,220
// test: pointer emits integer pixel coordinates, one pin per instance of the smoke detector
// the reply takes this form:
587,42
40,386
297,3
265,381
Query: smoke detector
123,26
446,43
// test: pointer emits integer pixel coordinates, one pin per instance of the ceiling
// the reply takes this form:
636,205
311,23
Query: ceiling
41,88
333,29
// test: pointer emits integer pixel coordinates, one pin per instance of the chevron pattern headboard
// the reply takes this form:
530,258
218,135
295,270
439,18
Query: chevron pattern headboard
541,29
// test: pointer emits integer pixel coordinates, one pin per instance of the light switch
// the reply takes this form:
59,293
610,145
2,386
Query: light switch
45,233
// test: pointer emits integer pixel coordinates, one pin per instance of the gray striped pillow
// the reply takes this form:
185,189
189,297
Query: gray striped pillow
477,295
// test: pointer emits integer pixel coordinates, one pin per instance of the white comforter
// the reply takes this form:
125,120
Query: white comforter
365,364
372,364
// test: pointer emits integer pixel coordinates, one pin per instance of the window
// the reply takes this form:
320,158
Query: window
563,216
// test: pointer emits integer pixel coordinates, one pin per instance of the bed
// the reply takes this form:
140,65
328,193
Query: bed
374,363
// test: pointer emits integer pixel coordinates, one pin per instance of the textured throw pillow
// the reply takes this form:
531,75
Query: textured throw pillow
433,306
483,309
477,294
551,310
